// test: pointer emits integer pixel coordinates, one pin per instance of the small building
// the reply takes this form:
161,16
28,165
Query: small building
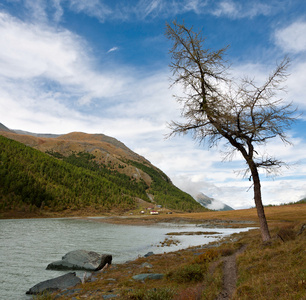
154,212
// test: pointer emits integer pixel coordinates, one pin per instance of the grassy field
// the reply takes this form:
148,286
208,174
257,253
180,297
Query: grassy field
273,271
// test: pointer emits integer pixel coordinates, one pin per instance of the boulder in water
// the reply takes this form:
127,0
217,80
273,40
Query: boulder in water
59,283
81,260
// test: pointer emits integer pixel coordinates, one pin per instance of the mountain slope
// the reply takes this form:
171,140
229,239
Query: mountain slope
212,203
80,170
4,128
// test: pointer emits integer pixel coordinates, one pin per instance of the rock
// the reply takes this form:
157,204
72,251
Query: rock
110,296
145,276
146,265
81,260
59,283
148,254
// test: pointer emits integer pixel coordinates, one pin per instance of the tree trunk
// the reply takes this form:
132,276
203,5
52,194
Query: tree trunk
265,234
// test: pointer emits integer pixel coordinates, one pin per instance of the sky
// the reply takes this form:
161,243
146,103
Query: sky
102,66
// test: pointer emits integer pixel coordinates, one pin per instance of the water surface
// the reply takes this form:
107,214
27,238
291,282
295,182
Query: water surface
27,246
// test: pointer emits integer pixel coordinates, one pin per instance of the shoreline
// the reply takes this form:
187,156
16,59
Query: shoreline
142,262
120,277
233,218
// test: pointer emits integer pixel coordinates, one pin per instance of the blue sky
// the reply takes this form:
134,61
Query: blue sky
102,67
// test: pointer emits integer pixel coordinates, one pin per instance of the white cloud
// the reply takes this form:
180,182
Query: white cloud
150,7
37,8
292,38
296,84
29,51
49,80
50,72
228,8
295,89
38,53
194,5
113,49
239,9
58,10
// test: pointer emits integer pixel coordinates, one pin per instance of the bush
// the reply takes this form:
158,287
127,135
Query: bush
153,294
227,251
286,234
188,273
206,257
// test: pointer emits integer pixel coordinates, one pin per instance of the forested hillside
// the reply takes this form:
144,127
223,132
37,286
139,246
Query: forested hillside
31,179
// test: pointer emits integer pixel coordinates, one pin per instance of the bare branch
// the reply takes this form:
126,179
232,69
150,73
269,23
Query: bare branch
215,107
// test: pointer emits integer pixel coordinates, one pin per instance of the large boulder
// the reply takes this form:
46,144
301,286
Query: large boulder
56,284
81,260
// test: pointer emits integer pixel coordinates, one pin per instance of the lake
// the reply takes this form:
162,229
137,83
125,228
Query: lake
27,246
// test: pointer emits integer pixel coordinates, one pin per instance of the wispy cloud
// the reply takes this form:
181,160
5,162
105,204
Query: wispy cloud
242,9
227,8
59,11
42,11
113,49
93,8
37,9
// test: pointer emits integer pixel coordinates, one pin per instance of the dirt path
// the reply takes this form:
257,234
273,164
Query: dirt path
229,275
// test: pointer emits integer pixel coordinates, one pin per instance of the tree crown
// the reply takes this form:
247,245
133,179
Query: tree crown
217,107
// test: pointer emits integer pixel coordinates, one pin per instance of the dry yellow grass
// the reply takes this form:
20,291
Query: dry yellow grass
274,271
273,213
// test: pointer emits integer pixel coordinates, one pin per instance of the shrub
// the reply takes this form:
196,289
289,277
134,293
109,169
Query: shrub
188,273
206,257
286,234
153,294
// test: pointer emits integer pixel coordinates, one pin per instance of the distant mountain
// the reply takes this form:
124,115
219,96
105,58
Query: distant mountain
4,128
46,135
301,201
211,203
79,170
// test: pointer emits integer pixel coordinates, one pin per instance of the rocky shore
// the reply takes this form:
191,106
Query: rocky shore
74,260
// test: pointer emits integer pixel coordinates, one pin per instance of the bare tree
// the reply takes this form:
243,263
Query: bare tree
214,107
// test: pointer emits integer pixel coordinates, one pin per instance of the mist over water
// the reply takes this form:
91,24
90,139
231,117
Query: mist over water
27,246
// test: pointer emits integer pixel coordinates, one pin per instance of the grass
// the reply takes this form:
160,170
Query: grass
273,271
43,296
152,294
190,273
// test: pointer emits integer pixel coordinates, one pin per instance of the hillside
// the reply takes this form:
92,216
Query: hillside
78,171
